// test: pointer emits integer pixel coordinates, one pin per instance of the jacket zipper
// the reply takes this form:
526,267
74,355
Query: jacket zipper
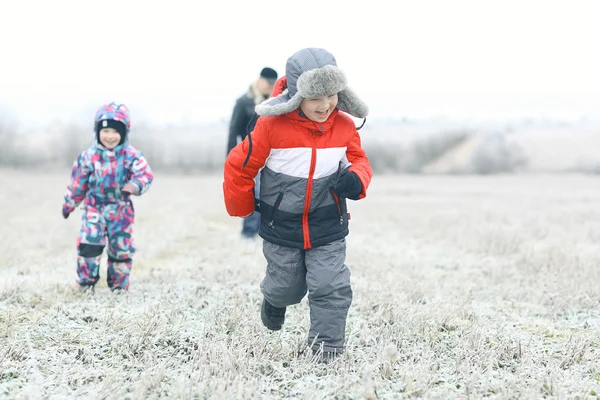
309,189
271,223
339,206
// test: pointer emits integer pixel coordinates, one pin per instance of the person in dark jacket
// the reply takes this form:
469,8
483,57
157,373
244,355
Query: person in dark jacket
243,117
243,120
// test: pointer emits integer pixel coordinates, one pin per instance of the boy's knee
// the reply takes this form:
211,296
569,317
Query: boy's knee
90,250
294,295
332,294
281,296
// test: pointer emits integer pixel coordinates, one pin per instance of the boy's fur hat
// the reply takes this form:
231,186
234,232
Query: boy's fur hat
313,72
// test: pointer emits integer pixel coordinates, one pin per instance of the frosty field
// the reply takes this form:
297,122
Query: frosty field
464,287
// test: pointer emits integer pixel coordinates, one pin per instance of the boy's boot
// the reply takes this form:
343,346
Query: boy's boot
272,317
325,357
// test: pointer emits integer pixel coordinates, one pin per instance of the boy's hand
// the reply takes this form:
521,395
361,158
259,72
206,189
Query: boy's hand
129,189
348,186
65,214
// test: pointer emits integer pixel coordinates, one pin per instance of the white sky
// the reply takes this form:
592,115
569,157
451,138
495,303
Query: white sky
172,61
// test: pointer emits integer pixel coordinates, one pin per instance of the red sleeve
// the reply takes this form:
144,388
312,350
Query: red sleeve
238,184
360,163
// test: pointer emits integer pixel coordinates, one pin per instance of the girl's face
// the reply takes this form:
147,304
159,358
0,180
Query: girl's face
318,109
109,138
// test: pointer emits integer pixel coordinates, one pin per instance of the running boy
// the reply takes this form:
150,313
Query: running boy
313,161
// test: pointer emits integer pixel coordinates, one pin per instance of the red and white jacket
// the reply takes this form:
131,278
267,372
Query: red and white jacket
300,161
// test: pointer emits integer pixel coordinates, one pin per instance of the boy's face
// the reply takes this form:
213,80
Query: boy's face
319,109
109,138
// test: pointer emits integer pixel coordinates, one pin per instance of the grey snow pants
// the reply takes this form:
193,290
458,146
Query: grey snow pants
323,273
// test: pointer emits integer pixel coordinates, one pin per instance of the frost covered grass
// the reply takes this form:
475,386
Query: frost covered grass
464,287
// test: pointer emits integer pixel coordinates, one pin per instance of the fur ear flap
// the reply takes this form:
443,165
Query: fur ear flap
350,103
279,105
314,83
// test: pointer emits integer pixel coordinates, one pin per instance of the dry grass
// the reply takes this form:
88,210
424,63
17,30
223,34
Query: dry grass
464,287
